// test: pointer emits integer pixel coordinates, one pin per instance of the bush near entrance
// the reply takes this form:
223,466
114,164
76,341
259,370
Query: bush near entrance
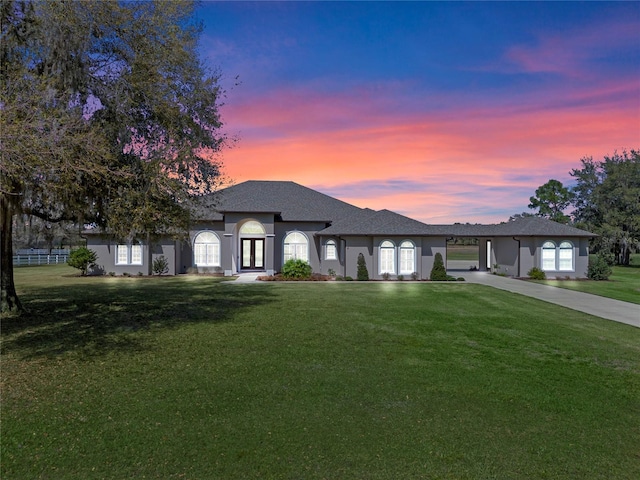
296,269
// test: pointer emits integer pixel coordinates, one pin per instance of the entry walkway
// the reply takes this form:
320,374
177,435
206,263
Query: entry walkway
608,308
248,277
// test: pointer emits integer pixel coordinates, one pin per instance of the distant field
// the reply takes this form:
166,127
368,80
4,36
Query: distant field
191,377
462,252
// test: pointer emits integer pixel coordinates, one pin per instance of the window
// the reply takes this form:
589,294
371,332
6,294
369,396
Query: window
407,257
252,228
548,256
565,256
296,246
331,252
129,254
557,258
206,250
387,257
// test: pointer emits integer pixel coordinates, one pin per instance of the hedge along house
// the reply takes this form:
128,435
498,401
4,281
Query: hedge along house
259,225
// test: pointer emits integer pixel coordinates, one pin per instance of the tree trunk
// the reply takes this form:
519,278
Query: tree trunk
9,298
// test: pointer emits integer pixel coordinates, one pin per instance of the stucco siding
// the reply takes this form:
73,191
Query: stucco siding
164,247
106,252
506,256
355,246
430,247
308,229
335,265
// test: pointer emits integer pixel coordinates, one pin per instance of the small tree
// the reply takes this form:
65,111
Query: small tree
82,258
363,273
438,272
600,267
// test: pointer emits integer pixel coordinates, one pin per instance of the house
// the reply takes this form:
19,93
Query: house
259,225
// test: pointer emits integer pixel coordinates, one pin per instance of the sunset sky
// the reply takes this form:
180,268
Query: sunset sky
445,112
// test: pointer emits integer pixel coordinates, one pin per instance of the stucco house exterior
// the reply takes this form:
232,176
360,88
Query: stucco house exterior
259,225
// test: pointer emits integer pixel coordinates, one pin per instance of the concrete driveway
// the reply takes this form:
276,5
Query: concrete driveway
616,310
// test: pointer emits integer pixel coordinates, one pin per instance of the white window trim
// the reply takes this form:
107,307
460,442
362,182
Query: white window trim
571,249
389,251
331,250
413,257
300,250
556,256
212,250
247,231
129,253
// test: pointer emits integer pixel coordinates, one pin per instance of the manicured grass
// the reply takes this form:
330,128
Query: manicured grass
189,377
624,284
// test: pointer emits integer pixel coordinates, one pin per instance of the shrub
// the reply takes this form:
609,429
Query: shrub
296,269
536,274
386,276
400,278
438,272
363,273
600,267
82,258
414,276
331,272
160,265
348,279
461,279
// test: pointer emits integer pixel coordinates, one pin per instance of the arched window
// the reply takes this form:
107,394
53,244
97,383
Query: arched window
252,227
407,257
387,257
296,246
548,256
206,250
330,250
565,256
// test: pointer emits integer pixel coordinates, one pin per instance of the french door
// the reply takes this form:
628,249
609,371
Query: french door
252,253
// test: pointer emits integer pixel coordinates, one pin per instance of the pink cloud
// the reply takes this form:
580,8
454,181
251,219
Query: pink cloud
570,52
477,161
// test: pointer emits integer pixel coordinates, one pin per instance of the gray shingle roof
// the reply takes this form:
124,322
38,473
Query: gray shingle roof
294,202
531,227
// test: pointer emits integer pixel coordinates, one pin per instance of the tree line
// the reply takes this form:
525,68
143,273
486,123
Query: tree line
605,199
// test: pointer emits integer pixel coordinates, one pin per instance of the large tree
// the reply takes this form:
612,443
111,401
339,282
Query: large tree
551,200
607,201
107,118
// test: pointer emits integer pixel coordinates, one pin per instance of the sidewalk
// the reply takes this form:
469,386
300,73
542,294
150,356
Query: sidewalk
250,277
607,308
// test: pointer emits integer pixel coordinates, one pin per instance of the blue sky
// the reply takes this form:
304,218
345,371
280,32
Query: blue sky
443,111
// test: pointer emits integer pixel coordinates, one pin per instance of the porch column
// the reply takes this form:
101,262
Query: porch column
227,255
269,253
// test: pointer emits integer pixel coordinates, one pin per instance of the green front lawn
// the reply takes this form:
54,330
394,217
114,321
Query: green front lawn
191,377
624,284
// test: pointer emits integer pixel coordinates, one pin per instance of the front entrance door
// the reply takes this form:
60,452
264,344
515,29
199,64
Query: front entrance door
252,253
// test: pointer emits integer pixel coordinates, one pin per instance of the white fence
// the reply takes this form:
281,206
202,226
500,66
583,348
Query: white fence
38,259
